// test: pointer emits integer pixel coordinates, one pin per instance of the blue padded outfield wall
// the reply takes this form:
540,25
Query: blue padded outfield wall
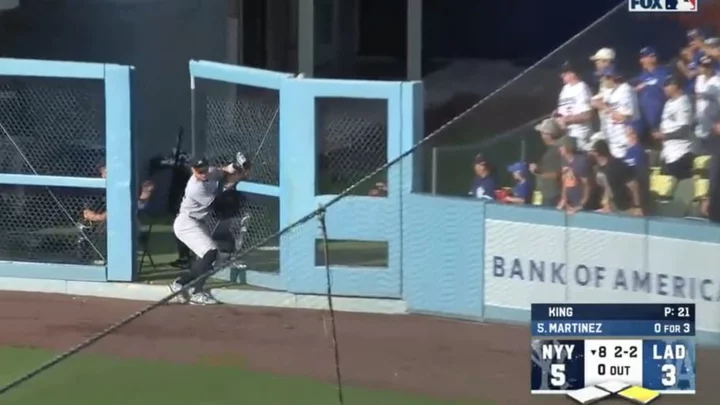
119,187
455,257
462,257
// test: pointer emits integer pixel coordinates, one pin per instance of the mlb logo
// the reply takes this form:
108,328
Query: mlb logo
662,6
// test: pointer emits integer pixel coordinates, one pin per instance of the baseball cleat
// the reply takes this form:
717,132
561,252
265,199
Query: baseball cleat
203,298
181,298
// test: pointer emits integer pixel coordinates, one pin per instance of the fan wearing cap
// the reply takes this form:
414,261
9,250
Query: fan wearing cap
522,190
690,57
707,97
618,107
621,190
711,47
190,225
651,95
578,185
483,185
574,112
675,131
547,170
602,59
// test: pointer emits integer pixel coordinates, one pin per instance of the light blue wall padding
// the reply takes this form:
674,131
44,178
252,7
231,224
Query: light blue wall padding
54,181
443,257
353,217
120,187
121,190
51,68
246,76
657,227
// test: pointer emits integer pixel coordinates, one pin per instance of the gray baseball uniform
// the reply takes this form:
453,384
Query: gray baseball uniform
190,226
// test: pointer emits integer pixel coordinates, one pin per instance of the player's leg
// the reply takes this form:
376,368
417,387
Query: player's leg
195,235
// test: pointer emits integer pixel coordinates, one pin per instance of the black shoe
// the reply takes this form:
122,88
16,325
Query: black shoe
180,264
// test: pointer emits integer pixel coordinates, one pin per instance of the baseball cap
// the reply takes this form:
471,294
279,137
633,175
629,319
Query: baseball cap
714,42
706,60
518,167
695,33
479,159
199,163
604,54
549,126
648,51
672,80
568,67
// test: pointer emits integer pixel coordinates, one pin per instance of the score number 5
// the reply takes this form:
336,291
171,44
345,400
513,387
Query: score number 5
669,375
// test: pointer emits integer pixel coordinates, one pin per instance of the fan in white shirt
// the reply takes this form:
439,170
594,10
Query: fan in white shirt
603,58
619,106
707,97
574,112
676,131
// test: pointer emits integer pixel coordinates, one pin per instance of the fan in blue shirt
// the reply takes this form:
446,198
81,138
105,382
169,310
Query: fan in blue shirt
651,95
522,191
483,186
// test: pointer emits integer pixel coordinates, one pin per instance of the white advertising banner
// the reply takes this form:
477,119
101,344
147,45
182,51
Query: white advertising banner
527,263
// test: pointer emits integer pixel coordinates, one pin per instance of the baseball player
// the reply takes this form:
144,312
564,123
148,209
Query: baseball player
191,226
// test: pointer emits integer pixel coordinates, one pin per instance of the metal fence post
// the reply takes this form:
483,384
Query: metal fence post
434,168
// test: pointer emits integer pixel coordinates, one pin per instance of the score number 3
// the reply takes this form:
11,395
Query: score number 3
669,375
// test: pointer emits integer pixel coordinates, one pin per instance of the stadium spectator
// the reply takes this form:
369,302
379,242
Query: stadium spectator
618,107
603,58
711,47
651,96
483,186
707,98
380,190
676,132
712,206
522,190
574,112
578,184
547,171
95,212
690,58
621,190
637,159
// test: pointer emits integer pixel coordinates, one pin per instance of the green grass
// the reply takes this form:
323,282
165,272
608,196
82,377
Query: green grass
94,379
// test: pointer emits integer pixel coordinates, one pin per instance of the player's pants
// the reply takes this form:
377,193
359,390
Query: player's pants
195,234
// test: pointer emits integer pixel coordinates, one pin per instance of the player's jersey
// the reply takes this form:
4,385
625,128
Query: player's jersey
621,99
707,104
575,99
677,113
199,195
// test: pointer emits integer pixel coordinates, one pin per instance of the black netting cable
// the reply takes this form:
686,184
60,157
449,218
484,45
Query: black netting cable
331,309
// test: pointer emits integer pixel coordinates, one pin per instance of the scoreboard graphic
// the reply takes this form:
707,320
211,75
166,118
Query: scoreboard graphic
592,352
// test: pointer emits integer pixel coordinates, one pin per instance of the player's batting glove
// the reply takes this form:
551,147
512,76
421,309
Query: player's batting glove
240,161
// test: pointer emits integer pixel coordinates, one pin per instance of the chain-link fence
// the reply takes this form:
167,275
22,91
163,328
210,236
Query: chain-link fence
39,225
352,141
53,127
231,118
